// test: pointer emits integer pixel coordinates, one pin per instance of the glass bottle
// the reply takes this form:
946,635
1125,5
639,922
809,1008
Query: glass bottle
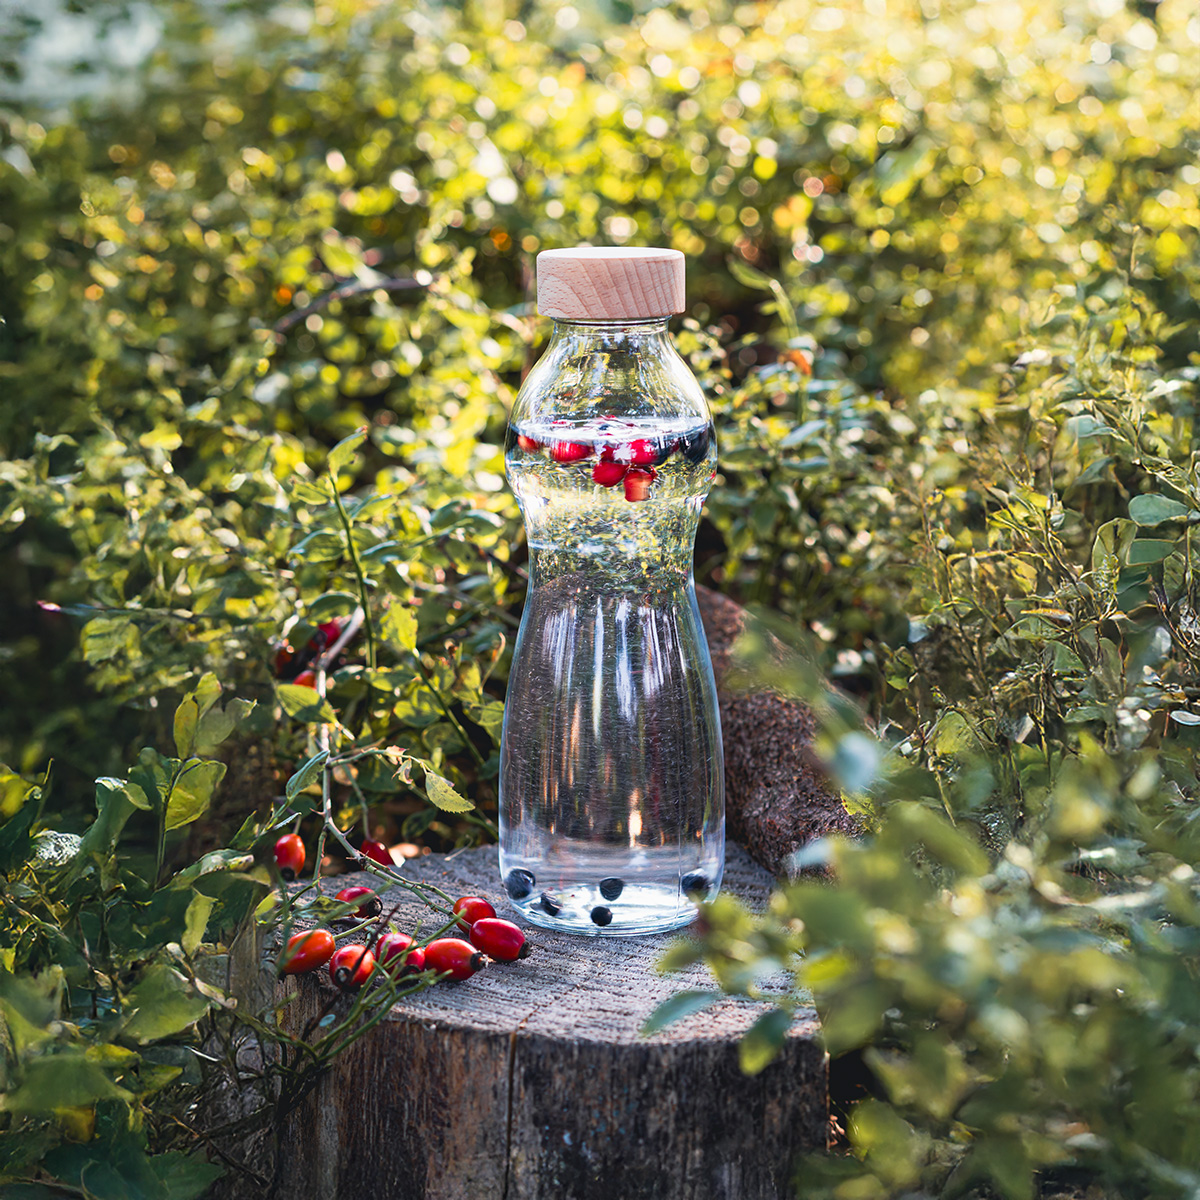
612,816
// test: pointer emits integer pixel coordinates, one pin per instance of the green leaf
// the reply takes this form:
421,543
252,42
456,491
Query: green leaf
441,793
196,922
217,724
215,860
1149,550
1154,509
192,792
105,638
343,453
321,546
65,1080
490,716
307,773
305,704
183,1176
309,493
191,708
14,791
162,1004
675,1008
763,1040
399,628
331,604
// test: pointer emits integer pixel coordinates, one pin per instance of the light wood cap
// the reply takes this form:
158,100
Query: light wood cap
609,283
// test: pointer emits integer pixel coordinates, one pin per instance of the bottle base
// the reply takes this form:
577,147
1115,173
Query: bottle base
611,909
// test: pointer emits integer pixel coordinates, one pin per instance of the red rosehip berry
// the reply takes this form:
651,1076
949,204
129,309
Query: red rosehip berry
289,856
351,967
306,952
394,949
376,851
609,474
499,939
569,452
372,906
643,453
638,481
460,958
531,445
330,631
306,679
470,909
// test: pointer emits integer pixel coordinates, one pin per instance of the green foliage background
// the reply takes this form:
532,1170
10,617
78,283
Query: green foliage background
287,223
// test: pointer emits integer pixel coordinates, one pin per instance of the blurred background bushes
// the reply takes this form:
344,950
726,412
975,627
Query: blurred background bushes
205,255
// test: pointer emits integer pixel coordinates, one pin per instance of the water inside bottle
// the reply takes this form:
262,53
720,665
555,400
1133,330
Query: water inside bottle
612,811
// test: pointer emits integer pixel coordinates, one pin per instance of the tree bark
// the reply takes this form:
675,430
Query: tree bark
530,1081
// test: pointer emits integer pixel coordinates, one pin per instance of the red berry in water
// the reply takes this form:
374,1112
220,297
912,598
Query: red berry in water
289,856
638,481
391,950
499,939
601,915
643,453
306,679
372,906
569,452
531,445
460,958
307,951
470,909
351,967
609,474
376,851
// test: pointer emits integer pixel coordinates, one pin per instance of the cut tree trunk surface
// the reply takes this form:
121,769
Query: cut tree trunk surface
530,1081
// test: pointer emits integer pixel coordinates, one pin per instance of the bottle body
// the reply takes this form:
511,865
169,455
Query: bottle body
611,782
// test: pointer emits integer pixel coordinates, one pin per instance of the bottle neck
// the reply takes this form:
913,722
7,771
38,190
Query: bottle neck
613,337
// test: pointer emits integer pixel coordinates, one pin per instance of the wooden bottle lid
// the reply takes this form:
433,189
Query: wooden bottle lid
609,283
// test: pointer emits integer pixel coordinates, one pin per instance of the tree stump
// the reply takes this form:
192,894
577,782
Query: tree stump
530,1081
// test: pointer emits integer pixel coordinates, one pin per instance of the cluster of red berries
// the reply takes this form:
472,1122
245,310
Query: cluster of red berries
292,664
397,953
290,854
630,462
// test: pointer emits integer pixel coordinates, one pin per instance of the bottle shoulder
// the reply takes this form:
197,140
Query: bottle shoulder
579,379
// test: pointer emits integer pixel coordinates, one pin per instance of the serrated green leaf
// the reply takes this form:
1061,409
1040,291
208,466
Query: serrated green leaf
763,1040
442,794
307,773
343,453
675,1008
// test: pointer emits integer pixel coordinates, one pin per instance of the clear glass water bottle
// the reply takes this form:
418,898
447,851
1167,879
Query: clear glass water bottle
612,813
